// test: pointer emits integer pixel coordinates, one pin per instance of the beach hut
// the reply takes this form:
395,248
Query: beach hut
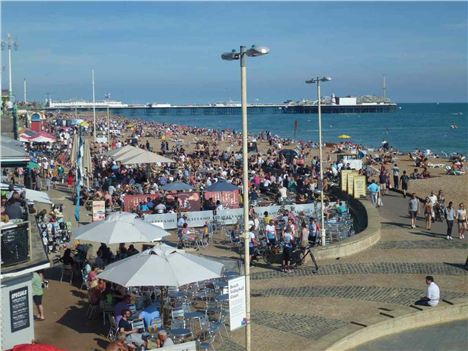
226,193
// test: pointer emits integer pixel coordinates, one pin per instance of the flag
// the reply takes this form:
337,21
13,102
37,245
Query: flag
79,170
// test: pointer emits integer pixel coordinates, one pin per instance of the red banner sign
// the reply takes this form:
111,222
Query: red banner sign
132,201
229,199
189,201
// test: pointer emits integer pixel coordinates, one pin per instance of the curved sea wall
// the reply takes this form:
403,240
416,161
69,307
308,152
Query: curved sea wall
366,224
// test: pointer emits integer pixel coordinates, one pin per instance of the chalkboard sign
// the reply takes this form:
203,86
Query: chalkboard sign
19,309
15,245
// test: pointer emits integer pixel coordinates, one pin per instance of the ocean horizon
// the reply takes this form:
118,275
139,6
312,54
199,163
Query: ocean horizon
411,126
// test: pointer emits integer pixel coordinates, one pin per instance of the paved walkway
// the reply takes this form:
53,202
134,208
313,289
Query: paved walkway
307,311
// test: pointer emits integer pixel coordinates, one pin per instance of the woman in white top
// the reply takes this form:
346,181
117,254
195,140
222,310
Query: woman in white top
461,220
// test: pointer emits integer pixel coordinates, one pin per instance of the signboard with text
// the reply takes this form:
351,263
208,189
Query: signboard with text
164,220
189,201
237,309
229,216
344,179
131,202
350,185
99,211
229,199
359,186
198,218
19,309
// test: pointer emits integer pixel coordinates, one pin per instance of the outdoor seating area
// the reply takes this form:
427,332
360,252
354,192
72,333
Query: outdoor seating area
193,312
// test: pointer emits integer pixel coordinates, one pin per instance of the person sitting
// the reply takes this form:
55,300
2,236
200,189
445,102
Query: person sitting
163,339
120,306
341,207
66,259
118,344
131,250
432,296
148,314
132,335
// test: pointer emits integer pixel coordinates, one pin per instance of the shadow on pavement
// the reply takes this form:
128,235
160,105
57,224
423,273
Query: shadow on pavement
458,265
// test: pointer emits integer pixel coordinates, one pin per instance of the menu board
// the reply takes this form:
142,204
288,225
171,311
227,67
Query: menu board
350,180
359,186
99,211
344,179
15,244
19,309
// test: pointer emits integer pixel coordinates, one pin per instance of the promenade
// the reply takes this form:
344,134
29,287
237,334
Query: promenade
303,310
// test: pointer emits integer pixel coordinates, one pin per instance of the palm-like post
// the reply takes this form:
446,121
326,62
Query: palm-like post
317,81
242,57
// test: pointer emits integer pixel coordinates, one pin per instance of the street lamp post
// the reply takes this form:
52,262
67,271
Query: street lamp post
242,56
10,44
317,81
108,120
94,107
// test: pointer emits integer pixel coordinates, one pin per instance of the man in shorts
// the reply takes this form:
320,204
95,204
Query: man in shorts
413,208
404,180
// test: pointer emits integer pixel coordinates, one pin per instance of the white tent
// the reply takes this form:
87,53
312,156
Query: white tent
144,157
161,266
120,227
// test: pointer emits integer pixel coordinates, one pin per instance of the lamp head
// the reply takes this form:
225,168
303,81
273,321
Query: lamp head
230,56
257,51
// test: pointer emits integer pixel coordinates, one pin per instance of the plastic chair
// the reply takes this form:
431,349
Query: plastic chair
67,268
113,330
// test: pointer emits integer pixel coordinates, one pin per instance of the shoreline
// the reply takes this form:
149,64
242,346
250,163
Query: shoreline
453,186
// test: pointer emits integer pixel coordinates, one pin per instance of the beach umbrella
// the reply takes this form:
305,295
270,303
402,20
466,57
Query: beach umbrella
35,347
177,186
221,185
120,227
131,151
161,266
144,157
344,136
120,151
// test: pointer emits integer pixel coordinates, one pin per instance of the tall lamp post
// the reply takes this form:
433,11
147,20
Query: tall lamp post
242,57
94,107
317,81
10,44
107,96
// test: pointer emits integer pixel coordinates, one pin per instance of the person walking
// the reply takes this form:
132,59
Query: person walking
449,214
428,211
461,220
37,292
404,180
413,208
374,192
396,174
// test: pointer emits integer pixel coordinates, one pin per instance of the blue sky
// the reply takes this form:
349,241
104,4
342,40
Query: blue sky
170,52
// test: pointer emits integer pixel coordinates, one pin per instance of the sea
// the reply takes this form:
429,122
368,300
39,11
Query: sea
424,126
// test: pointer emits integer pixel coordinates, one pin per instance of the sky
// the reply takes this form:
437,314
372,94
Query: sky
170,52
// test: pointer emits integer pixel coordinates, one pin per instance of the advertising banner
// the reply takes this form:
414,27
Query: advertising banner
272,210
237,310
359,186
165,220
198,218
189,201
229,199
308,209
99,211
132,201
229,216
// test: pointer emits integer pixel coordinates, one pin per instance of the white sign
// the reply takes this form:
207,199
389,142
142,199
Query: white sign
229,216
272,210
186,346
198,218
237,310
164,220
308,209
